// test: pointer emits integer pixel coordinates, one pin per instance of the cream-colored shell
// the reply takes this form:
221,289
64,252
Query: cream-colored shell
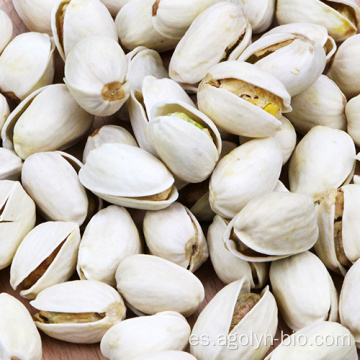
17,218
176,235
27,64
4,110
250,170
167,355
48,119
343,69
210,37
353,119
296,65
214,322
319,12
274,226
237,115
324,159
82,18
19,338
53,183
10,165
114,6
228,267
304,290
110,236
147,283
322,103
332,342
6,30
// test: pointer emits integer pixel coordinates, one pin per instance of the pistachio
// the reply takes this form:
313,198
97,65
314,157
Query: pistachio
10,165
6,30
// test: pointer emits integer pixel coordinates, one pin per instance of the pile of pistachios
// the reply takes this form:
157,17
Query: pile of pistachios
121,177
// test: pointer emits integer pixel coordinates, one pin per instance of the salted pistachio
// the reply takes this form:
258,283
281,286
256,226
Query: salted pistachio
19,338
249,171
322,103
167,355
304,290
79,311
337,245
114,6
147,283
4,110
343,69
324,159
107,134
319,341
176,235
135,27
243,99
219,33
73,20
272,227
48,119
353,119
6,30
113,172
340,17
228,267
294,59
110,236
235,311
17,218
10,165
26,65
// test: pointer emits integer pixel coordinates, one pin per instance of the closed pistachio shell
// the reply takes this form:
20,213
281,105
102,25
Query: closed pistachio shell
353,119
10,165
4,110
6,30
114,6
167,355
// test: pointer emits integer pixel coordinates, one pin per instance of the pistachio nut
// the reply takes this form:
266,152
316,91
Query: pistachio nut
128,176
79,311
150,284
235,311
228,267
353,120
249,171
114,6
272,227
324,159
167,355
47,256
169,331
110,236
17,218
6,30
26,65
294,59
304,290
340,17
204,46
322,103
48,119
10,165
243,99
73,20
4,110
19,338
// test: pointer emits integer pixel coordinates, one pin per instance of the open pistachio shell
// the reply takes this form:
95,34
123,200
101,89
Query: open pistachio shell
10,165
353,119
6,30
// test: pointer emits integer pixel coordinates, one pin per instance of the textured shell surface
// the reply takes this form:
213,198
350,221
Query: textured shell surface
6,30
10,165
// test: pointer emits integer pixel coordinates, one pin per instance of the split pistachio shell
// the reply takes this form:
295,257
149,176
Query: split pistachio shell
128,176
304,290
167,355
10,165
176,235
272,227
110,236
151,284
78,311
353,119
339,229
108,134
53,183
249,171
243,99
95,72
17,218
4,110
160,332
319,341
322,103
26,65
343,69
48,119
114,6
19,338
295,60
228,267
6,30
73,20
208,41
234,312
340,17
332,154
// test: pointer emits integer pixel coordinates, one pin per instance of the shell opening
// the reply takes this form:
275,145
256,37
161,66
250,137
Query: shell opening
345,10
192,248
2,209
113,91
232,47
157,197
155,7
254,274
328,46
60,18
242,248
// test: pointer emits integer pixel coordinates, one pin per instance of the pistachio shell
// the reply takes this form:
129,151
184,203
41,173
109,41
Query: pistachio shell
10,165
6,30
4,110
353,120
